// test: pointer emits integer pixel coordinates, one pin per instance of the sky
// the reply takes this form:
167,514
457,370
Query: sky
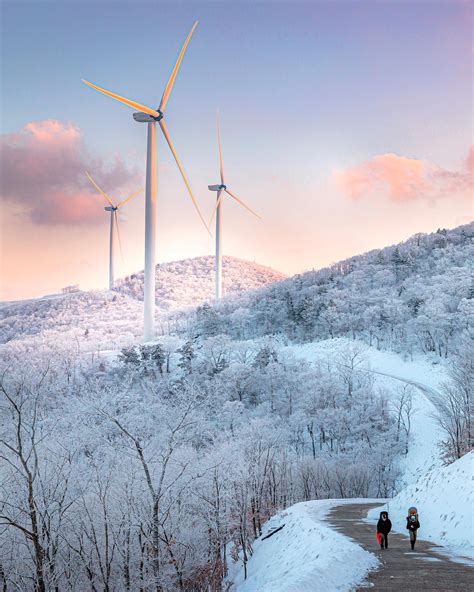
346,125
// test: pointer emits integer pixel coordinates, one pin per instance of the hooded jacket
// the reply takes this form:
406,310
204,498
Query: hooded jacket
412,522
384,526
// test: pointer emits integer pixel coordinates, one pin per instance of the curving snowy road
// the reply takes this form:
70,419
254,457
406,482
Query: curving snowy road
426,435
390,369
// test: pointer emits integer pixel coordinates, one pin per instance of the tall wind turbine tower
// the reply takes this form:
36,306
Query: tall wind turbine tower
151,117
221,188
114,225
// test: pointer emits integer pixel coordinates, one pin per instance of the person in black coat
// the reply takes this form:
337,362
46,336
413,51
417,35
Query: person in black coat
413,525
384,526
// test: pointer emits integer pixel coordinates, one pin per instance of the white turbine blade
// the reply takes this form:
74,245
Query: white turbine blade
122,203
169,86
218,203
123,100
242,203
118,234
220,149
100,190
164,129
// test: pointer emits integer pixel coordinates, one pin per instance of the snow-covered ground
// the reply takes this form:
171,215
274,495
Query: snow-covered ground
390,371
305,555
445,502
443,495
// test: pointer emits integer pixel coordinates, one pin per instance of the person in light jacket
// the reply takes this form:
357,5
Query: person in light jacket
413,525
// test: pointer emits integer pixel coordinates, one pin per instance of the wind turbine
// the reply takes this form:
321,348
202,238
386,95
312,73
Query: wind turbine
114,225
151,117
218,214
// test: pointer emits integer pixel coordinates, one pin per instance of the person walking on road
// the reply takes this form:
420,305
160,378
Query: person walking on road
384,526
413,524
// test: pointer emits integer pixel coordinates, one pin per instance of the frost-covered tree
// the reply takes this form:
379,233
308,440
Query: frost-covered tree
456,405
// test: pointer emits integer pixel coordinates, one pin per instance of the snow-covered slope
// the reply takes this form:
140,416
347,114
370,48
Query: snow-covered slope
306,555
400,298
267,422
98,315
191,281
119,313
444,498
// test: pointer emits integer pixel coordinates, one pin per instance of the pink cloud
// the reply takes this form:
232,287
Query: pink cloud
42,171
404,179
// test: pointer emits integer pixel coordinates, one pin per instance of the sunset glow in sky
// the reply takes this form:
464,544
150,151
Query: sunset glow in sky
346,125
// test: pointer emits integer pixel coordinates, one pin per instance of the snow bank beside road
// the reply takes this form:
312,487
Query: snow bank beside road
445,501
305,555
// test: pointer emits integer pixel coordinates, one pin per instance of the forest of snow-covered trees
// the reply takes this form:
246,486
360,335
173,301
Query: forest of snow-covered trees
152,467
152,473
417,296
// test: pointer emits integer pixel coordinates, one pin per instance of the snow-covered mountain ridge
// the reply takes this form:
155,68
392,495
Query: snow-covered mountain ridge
190,282
103,314
417,296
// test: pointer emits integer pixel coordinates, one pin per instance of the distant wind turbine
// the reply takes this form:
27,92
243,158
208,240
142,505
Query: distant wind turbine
218,214
151,116
114,225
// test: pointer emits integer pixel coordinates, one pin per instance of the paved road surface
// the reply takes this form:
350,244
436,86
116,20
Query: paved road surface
402,569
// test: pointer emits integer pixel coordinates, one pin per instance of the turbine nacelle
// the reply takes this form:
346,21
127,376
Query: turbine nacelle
111,209
146,118
217,187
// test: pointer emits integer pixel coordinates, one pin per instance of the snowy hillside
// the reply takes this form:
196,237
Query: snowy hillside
190,282
228,433
445,501
417,296
99,316
319,387
305,551
119,313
